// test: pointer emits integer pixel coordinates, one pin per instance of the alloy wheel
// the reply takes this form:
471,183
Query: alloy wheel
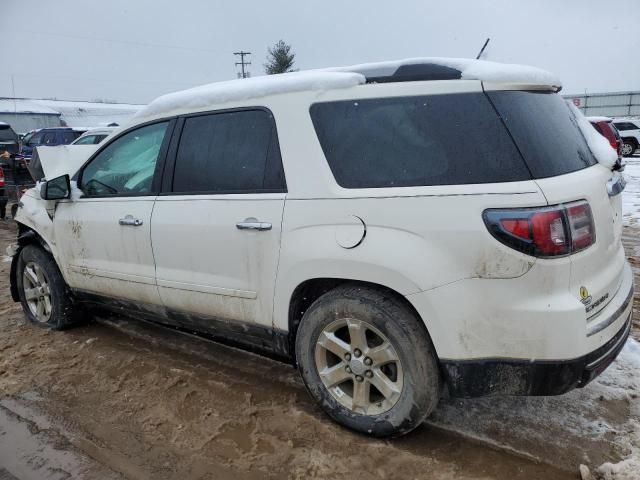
37,292
359,366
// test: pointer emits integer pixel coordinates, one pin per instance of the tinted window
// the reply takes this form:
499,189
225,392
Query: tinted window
127,165
68,137
411,141
229,152
49,138
7,134
622,126
545,131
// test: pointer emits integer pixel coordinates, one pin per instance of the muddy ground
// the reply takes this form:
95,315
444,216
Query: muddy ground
121,399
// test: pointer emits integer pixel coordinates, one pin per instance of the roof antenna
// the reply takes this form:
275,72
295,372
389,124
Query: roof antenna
482,49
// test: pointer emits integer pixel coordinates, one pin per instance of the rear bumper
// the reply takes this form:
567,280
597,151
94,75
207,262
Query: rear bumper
476,378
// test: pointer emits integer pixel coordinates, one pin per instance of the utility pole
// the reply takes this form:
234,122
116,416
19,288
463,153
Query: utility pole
242,63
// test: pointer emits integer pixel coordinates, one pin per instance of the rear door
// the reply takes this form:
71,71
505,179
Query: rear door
216,229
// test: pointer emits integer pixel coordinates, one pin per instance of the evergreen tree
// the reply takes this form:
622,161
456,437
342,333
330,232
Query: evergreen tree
280,59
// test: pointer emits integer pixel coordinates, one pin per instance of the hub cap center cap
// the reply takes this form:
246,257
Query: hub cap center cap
357,366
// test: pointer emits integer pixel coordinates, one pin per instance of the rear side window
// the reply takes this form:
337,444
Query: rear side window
622,126
68,137
413,141
545,130
232,152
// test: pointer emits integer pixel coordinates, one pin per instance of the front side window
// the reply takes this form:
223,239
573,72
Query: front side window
231,152
127,165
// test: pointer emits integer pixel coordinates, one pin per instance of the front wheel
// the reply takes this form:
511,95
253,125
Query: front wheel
43,292
368,361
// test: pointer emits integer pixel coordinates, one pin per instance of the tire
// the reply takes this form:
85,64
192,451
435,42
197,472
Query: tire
43,278
411,384
628,148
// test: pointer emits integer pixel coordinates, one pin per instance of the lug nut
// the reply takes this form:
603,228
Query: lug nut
359,378
357,352
347,356
348,369
368,361
369,373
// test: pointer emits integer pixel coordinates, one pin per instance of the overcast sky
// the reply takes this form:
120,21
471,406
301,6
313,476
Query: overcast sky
135,50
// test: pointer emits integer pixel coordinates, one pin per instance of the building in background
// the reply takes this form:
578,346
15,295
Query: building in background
25,114
612,104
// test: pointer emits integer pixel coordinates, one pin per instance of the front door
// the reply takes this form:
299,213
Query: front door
104,237
216,232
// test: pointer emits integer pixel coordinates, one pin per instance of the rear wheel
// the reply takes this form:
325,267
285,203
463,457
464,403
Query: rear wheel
43,292
368,361
628,148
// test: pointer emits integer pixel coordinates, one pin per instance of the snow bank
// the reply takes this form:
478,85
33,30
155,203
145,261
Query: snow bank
598,145
234,90
470,69
626,372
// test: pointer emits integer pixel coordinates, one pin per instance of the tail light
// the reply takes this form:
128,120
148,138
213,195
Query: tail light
545,231
2,181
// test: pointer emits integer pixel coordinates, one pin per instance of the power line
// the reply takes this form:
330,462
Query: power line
243,54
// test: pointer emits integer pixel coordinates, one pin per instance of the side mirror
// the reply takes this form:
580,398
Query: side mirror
57,188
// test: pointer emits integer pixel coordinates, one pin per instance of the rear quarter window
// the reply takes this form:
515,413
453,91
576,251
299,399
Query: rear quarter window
416,141
545,130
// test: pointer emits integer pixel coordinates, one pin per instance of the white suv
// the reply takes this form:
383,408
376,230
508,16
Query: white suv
629,129
392,229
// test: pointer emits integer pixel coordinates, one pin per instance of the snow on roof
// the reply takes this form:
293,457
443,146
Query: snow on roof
338,77
244,89
599,119
470,69
92,114
19,105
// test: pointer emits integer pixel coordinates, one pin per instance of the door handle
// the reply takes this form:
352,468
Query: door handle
130,221
253,225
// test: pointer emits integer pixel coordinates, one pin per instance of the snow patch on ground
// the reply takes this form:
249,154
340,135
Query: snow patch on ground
236,90
631,193
601,419
598,145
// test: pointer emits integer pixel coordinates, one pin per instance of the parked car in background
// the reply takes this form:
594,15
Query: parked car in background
9,140
605,127
94,136
49,137
629,129
297,215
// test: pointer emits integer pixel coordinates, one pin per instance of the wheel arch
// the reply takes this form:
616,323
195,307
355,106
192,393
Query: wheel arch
310,290
26,236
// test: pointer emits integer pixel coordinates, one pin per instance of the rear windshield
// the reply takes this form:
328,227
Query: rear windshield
449,139
545,131
412,141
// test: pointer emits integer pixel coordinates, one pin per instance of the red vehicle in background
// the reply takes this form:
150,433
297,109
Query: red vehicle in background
606,128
